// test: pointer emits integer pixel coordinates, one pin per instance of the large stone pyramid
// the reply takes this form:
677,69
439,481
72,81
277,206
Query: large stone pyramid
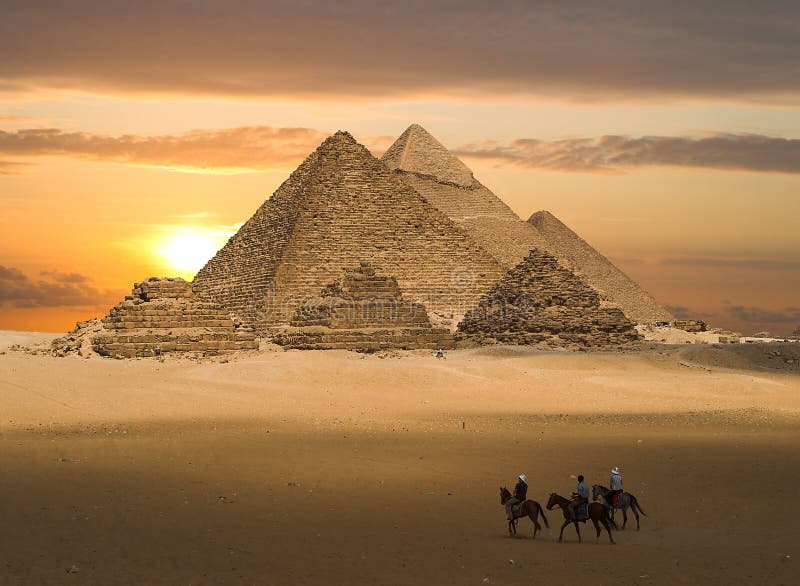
425,164
342,206
541,302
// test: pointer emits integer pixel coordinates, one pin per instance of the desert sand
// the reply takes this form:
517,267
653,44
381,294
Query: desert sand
337,467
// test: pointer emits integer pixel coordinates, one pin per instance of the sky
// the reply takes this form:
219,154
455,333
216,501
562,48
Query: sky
136,137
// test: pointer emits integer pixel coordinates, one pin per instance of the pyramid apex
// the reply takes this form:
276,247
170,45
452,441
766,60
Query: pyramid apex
417,151
416,128
340,141
339,137
542,216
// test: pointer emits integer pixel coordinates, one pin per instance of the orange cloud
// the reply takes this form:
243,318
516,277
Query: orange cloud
253,147
265,147
12,167
737,152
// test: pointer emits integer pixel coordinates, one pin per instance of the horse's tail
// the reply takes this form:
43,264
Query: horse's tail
637,505
541,512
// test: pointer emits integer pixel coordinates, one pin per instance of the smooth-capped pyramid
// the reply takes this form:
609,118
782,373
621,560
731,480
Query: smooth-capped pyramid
443,179
541,302
609,281
342,206
424,164
419,152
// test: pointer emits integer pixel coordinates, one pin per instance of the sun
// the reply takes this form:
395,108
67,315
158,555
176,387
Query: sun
188,251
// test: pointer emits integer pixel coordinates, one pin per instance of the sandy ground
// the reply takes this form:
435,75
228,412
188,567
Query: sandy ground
340,468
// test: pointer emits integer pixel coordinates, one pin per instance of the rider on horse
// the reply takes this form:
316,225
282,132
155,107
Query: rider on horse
579,498
520,494
616,486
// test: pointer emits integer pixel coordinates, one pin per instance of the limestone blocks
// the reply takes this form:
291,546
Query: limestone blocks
362,311
165,316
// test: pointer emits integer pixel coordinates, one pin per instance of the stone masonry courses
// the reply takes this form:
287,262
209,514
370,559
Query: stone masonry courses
539,302
342,206
166,316
362,311
440,177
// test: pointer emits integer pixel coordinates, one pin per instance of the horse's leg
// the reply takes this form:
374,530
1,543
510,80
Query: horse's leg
610,537
578,531
561,535
596,528
536,527
624,517
511,528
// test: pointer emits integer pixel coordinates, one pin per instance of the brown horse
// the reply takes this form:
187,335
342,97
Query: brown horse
598,513
529,508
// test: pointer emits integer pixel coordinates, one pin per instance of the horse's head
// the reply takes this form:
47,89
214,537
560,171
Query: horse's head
552,501
594,492
504,495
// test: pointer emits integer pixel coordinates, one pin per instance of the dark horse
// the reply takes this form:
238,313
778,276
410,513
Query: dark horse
624,501
530,508
598,513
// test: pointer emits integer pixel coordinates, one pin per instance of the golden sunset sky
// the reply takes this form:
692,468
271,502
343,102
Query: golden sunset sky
136,137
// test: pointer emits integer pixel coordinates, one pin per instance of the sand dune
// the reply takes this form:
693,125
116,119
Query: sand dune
343,468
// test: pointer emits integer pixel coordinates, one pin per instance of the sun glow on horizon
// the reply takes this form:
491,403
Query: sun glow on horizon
188,251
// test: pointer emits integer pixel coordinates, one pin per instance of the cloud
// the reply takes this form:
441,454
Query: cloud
679,311
738,152
791,315
17,120
267,147
247,147
252,147
56,289
684,312
314,49
764,264
12,167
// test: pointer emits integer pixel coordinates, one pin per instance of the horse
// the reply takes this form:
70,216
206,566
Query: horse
624,501
598,513
530,508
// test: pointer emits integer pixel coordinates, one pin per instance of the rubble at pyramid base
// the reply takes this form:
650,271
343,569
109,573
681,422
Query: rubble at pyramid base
161,316
365,339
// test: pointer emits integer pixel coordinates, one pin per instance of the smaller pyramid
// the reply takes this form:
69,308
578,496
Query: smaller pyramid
541,302
610,282
164,316
362,311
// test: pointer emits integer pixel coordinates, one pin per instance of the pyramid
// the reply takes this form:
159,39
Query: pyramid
166,314
611,282
362,311
442,178
339,207
423,163
541,302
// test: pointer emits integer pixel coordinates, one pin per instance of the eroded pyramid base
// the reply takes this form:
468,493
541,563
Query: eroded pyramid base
164,316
